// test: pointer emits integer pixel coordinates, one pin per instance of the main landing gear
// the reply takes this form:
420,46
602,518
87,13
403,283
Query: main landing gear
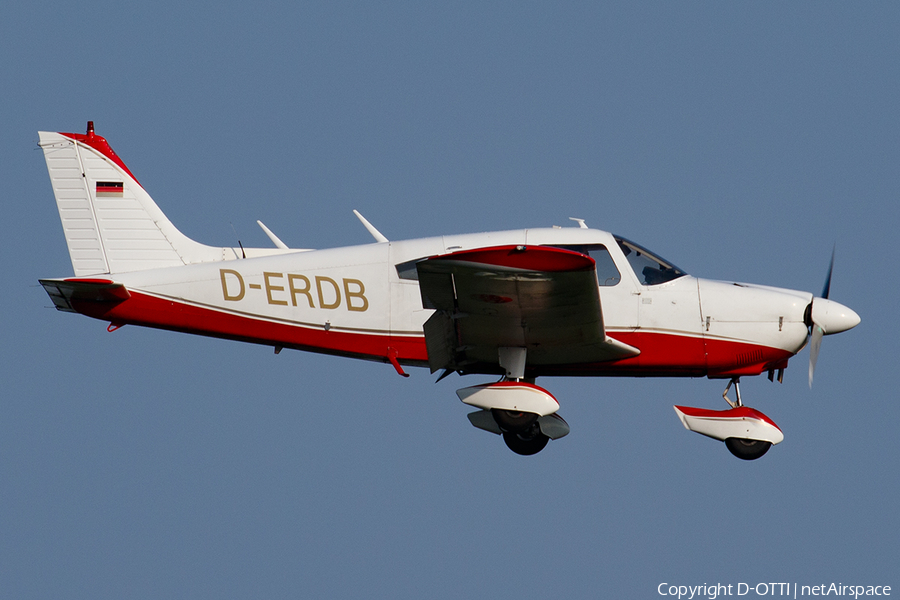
521,431
521,412
748,434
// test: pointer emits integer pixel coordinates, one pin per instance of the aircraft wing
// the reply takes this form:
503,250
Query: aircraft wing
544,299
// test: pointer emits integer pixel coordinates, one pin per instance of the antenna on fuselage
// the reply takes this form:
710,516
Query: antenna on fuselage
278,243
580,222
243,253
379,237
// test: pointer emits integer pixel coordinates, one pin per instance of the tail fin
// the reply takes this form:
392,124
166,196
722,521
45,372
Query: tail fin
111,223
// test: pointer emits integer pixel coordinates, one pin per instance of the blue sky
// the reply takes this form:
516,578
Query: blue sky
742,142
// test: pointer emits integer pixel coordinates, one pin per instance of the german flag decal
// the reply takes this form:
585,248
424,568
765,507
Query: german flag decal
110,188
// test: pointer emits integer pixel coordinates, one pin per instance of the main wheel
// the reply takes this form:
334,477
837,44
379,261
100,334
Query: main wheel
513,421
746,449
525,445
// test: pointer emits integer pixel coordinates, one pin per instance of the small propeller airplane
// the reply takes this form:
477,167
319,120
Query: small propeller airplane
515,305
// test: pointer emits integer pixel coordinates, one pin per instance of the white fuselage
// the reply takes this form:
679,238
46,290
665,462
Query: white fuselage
356,301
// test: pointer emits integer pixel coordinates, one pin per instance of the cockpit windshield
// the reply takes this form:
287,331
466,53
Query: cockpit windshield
649,268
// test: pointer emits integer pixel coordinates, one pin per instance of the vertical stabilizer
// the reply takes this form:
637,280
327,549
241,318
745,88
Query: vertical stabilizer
111,223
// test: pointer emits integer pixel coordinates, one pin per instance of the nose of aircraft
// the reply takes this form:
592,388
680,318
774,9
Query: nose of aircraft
832,316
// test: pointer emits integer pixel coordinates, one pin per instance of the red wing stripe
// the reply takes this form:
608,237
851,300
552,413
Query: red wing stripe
533,258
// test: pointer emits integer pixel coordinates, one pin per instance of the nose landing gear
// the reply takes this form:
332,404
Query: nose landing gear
747,449
748,433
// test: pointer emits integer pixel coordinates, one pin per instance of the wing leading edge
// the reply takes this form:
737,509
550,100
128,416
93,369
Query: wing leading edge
540,298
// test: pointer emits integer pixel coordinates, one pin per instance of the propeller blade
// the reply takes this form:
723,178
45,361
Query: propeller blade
827,287
815,344
826,317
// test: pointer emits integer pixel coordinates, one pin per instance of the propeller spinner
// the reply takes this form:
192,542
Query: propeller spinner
826,317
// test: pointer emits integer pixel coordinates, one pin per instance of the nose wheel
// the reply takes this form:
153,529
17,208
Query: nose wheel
748,434
746,449
743,448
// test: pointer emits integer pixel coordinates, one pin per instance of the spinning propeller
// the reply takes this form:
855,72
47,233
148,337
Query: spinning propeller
825,317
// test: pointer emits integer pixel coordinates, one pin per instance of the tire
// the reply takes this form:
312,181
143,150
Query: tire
746,449
513,421
525,446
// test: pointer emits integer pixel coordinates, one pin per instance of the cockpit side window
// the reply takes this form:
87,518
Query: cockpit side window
607,273
650,269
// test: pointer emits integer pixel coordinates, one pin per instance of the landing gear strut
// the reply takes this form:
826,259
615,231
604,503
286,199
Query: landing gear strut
736,382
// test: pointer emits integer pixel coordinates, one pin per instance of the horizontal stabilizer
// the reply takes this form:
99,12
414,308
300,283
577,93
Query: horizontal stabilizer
67,294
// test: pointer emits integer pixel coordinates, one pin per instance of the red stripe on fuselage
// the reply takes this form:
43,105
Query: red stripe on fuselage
151,311
662,354
671,354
